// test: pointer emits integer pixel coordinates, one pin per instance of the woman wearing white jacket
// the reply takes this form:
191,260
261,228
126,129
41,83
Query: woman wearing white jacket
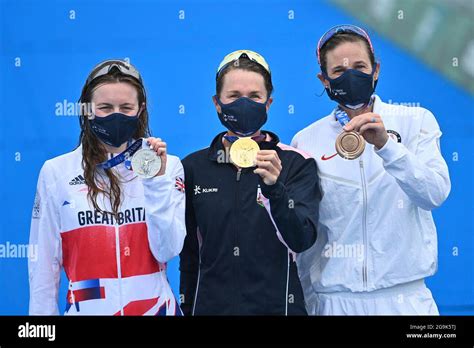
376,236
110,230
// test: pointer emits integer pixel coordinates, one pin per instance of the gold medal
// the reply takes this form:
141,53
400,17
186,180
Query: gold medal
350,145
243,152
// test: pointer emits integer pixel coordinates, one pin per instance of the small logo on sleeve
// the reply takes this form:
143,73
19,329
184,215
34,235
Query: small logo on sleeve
78,180
179,184
37,207
394,135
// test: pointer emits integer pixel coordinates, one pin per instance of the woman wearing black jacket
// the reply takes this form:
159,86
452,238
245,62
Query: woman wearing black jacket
245,225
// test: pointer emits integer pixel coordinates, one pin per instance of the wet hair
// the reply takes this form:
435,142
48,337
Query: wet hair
94,152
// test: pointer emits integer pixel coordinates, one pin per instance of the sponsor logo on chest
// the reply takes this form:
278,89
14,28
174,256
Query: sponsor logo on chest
200,190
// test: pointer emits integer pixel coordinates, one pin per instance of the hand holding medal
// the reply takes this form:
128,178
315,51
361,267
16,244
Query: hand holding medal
150,162
268,166
145,162
370,126
349,144
246,153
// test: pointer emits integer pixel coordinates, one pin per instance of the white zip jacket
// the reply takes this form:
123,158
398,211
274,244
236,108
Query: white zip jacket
375,226
114,266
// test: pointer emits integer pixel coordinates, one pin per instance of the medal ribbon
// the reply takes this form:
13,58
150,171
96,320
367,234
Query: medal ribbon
122,157
257,138
341,116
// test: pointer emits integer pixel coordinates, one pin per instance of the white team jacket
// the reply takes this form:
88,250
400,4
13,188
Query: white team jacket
375,226
114,266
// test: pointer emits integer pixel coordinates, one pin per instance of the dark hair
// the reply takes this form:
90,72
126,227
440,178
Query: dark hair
338,39
244,63
94,152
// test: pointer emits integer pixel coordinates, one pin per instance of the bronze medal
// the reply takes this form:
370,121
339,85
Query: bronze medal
350,145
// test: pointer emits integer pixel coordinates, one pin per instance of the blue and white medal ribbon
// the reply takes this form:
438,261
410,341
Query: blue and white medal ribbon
123,157
341,116
349,145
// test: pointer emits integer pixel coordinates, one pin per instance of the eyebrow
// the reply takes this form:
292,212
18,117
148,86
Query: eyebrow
109,104
238,92
343,66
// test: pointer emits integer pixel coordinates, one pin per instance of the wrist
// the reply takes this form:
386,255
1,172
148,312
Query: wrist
382,143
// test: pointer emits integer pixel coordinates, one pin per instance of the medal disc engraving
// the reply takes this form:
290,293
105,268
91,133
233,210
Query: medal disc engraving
350,145
146,163
243,152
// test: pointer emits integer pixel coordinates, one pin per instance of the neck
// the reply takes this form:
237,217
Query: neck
230,133
353,113
112,149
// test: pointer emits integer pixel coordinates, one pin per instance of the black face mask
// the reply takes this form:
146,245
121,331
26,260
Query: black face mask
114,129
352,89
243,116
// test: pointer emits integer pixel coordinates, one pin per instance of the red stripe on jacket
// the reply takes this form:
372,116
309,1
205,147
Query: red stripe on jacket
90,252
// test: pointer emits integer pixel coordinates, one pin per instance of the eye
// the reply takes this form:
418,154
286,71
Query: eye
255,96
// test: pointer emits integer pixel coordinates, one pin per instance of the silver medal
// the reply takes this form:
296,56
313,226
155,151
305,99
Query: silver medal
146,163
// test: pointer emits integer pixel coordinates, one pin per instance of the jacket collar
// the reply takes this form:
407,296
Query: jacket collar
377,107
270,143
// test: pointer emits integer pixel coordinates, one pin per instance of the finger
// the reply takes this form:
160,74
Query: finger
275,162
262,172
371,126
356,123
265,152
152,141
265,175
270,156
159,145
360,120
161,151
268,166
264,164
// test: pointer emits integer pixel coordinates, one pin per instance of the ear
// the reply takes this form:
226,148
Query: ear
323,80
216,104
269,102
377,71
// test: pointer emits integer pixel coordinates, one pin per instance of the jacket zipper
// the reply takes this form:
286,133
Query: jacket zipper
198,281
236,204
287,282
364,224
119,266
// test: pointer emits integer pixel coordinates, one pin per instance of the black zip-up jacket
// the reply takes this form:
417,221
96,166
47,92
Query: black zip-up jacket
233,262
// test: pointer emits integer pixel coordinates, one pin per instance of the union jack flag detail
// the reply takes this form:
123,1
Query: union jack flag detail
179,184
